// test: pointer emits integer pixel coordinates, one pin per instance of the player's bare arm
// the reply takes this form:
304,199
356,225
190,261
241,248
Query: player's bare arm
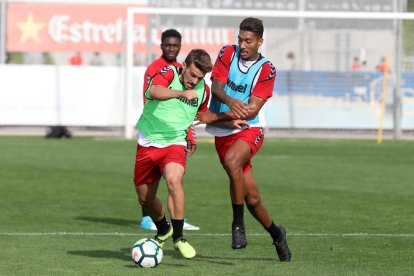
161,93
238,123
203,117
237,106
208,117
254,106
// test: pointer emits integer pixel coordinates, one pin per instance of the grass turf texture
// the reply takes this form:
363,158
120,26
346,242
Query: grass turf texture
68,207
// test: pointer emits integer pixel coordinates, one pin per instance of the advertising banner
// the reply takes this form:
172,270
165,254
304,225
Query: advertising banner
94,28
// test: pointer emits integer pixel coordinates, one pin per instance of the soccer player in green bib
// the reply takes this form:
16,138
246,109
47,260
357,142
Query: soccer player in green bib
170,47
173,98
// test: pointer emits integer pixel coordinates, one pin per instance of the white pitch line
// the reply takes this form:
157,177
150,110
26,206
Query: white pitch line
201,234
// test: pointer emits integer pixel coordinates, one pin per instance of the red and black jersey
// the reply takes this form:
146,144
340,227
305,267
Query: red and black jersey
154,68
264,82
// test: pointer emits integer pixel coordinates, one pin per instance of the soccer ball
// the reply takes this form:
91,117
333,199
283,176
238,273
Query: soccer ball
146,253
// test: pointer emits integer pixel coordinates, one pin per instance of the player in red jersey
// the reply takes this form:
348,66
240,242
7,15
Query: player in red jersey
242,82
170,47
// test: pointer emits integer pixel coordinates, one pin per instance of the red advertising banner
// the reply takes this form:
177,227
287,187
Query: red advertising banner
93,28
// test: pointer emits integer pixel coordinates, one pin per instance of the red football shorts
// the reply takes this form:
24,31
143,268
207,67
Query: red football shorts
151,161
252,136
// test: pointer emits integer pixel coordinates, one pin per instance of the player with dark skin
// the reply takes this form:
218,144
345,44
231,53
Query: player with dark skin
239,153
243,186
170,47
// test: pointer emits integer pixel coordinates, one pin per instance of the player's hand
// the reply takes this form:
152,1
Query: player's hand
240,124
205,117
191,148
238,107
189,94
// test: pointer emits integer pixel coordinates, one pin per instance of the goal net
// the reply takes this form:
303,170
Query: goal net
337,69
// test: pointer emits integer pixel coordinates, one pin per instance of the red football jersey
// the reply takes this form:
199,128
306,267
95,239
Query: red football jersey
264,83
154,68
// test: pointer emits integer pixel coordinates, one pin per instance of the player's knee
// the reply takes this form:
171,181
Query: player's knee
231,163
253,202
144,201
173,180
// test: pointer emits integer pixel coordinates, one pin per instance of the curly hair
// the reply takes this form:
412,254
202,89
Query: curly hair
254,25
170,33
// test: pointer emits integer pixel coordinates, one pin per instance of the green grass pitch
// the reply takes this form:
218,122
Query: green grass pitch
68,207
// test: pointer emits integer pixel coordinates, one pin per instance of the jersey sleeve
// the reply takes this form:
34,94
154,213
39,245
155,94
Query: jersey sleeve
204,105
222,65
155,68
163,78
146,81
191,135
266,81
149,74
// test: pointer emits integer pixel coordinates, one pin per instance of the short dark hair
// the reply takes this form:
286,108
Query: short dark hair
170,33
201,60
254,25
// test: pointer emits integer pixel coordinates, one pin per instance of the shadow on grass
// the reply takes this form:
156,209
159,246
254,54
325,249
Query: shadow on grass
206,257
218,259
124,254
121,254
113,221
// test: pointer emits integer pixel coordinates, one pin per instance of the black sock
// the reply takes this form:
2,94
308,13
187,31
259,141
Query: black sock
238,214
162,226
274,231
177,225
144,214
